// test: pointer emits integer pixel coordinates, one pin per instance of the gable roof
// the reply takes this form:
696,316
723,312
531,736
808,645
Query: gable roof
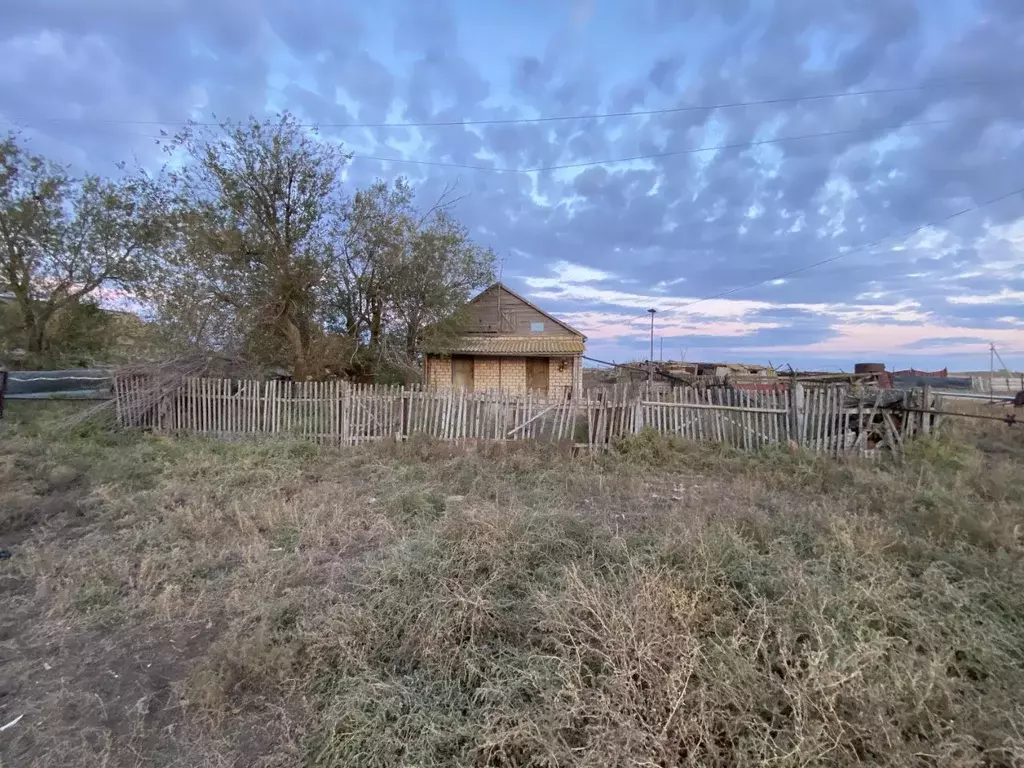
502,287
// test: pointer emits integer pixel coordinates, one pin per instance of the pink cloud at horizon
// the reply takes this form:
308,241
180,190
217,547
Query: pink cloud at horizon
875,338
609,312
846,339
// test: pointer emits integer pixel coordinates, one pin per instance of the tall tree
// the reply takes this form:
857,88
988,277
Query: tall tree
402,269
256,200
376,227
63,238
442,268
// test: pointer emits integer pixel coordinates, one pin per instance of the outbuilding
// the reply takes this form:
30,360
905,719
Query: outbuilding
508,344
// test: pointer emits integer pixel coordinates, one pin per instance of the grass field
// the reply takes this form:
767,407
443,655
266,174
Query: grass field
188,603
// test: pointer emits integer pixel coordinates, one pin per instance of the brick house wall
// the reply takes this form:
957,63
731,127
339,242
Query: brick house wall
486,374
560,381
513,374
439,372
507,374
504,374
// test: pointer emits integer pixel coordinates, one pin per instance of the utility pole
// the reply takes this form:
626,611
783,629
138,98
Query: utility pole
1005,368
650,360
991,372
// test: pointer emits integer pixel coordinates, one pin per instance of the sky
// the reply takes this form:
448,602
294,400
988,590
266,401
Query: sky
756,237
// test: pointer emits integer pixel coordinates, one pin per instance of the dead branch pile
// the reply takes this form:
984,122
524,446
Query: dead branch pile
158,383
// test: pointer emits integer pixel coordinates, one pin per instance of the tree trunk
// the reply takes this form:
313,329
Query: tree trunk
34,327
294,337
37,340
410,357
375,327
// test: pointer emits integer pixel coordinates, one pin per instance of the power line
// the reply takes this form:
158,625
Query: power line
731,291
858,249
613,161
655,155
553,118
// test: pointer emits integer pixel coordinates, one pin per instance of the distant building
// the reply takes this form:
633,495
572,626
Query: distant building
695,371
506,343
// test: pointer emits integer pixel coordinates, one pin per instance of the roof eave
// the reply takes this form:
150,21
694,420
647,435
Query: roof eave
478,353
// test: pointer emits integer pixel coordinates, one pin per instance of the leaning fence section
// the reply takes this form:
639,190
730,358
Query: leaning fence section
825,420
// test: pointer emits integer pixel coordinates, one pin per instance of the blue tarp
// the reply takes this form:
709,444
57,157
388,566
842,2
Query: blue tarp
79,383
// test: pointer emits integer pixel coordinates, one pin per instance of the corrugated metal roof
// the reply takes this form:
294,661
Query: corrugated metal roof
513,345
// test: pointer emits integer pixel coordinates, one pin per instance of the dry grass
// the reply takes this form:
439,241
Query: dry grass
188,603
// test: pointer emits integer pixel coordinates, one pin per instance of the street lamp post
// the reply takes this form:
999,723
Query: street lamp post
650,360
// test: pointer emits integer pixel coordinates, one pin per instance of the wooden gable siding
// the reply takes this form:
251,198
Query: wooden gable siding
516,320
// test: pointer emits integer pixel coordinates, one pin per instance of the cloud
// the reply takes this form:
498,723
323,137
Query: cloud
568,273
93,82
1005,296
662,286
871,338
598,326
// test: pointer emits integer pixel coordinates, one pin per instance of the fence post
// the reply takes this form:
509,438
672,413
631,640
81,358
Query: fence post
926,405
798,413
406,407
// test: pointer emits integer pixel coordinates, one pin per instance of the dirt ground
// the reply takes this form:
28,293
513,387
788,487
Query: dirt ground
173,602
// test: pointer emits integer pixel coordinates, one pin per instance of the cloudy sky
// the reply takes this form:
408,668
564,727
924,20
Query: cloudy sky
816,228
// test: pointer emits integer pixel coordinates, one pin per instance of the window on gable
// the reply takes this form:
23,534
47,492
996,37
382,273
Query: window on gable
536,327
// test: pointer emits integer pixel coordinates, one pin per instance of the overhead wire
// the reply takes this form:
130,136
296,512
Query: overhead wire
617,160
660,155
714,148
545,119
634,158
560,118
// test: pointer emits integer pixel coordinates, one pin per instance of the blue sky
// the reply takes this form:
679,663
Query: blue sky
93,81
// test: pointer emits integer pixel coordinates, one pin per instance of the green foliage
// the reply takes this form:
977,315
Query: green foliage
402,271
649,448
79,334
66,238
249,246
254,259
276,262
943,454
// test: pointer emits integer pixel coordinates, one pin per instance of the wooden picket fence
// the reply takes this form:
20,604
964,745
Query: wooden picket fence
339,413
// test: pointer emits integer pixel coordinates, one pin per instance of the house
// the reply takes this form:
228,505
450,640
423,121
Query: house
506,343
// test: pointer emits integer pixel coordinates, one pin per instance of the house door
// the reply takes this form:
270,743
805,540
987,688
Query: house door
462,373
537,374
